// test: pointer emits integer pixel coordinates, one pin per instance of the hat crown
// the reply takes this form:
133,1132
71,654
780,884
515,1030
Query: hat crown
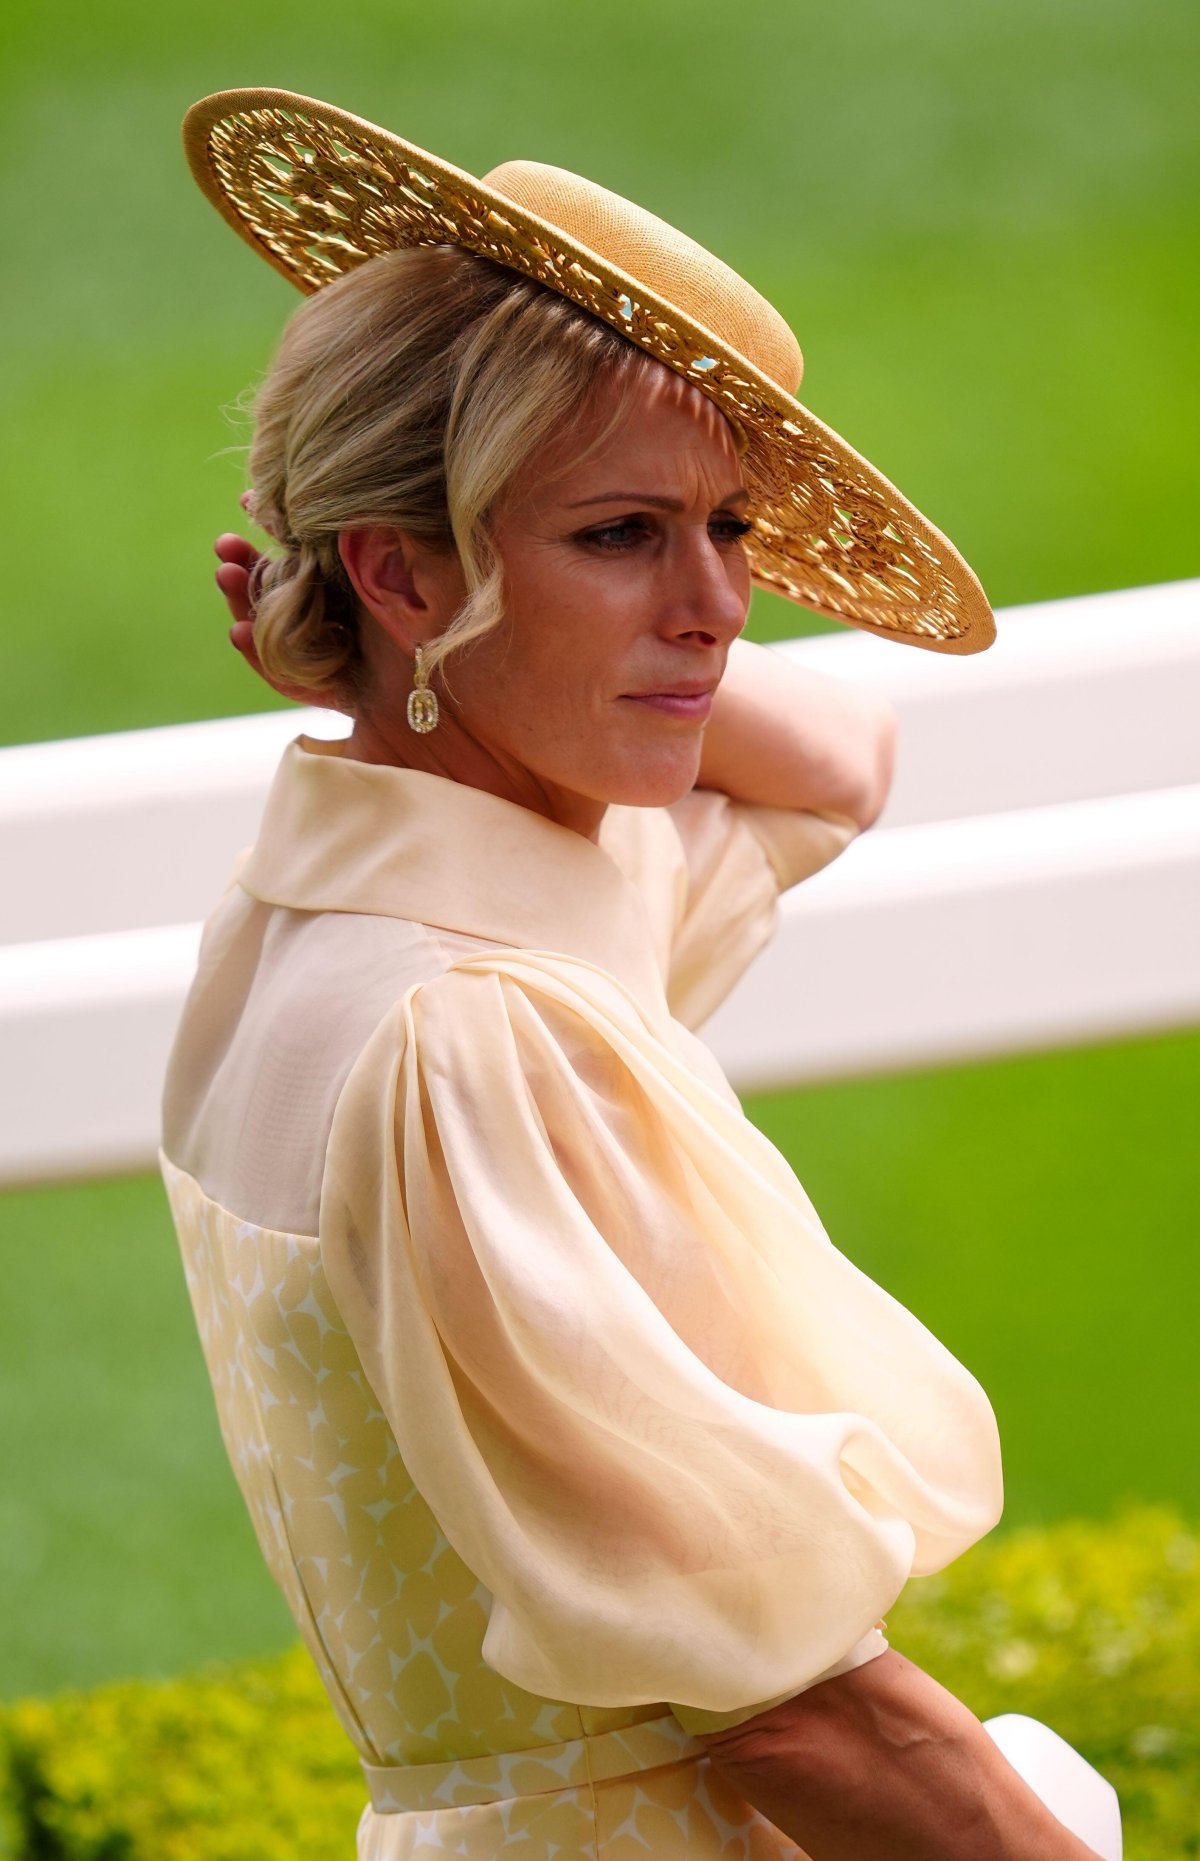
664,260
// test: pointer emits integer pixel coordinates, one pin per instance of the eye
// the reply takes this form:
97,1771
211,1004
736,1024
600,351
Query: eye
730,529
624,534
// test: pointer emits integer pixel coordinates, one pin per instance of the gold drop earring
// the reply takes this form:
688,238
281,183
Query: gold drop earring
422,702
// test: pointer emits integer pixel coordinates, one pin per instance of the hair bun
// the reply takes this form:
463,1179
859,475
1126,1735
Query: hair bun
303,615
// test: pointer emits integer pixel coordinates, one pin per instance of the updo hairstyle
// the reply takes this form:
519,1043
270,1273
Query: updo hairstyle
410,392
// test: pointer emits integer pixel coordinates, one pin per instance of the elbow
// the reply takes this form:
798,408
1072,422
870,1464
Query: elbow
876,782
864,763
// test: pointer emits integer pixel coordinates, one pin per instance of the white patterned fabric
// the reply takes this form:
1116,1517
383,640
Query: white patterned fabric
565,1430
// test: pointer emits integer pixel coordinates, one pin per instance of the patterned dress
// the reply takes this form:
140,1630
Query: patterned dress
565,1430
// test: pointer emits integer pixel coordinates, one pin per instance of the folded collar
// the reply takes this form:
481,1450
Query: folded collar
338,834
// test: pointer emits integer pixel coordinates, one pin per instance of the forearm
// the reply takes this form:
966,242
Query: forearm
883,1764
782,735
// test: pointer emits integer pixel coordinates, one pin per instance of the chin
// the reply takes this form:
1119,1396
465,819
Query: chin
653,782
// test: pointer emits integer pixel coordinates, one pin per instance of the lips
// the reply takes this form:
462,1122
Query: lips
695,705
696,688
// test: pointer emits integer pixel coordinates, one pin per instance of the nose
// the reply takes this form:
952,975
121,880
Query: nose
708,587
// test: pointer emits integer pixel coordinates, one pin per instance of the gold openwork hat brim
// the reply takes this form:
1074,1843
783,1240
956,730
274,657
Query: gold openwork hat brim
317,192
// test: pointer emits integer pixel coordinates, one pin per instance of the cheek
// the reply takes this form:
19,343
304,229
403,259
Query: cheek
543,678
737,570
573,638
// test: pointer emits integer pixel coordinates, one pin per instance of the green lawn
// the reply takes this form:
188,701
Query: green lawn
982,223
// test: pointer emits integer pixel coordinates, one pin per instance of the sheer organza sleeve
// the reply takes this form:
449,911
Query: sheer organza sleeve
690,1449
738,858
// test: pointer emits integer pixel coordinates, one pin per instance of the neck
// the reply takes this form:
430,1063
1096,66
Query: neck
451,751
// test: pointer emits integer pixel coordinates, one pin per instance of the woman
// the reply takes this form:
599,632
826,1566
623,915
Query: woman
586,1464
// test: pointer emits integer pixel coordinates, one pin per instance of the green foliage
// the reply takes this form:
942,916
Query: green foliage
1093,1628
238,1762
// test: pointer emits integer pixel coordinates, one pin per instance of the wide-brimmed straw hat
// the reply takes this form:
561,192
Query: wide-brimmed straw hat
317,191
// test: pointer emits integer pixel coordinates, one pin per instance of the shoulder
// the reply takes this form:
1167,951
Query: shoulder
520,1034
498,1011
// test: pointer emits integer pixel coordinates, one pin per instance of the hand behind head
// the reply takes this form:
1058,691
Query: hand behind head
235,578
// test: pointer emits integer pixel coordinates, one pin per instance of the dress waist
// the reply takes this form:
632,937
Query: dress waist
396,1788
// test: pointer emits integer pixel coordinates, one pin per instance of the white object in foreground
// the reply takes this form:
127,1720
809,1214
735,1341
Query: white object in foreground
1083,1800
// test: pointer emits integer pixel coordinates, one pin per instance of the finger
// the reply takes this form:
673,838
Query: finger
241,635
231,547
234,583
231,578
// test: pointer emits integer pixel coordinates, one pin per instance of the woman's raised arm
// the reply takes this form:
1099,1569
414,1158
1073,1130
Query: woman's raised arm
785,736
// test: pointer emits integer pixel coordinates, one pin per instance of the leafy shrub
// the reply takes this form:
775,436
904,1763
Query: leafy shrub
243,1762
1094,1628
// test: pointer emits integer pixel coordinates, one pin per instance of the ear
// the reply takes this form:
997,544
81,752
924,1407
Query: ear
413,591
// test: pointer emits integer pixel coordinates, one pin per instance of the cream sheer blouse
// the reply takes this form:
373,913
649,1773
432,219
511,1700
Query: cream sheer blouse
690,1450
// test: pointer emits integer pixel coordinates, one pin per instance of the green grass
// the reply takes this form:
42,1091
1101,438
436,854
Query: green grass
121,1528
982,223
1037,1214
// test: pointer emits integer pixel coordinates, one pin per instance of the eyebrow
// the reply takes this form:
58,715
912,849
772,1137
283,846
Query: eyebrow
648,497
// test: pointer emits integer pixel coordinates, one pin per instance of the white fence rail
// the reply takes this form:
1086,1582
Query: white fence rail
1033,882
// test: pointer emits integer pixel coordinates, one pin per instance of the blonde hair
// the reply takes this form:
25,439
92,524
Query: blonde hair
410,392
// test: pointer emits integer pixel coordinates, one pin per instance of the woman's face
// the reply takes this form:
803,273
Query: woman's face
623,575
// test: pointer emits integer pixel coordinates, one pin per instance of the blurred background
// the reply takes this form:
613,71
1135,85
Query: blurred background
982,224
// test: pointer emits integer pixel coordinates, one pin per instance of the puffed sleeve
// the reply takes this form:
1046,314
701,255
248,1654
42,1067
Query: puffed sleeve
738,858
689,1448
